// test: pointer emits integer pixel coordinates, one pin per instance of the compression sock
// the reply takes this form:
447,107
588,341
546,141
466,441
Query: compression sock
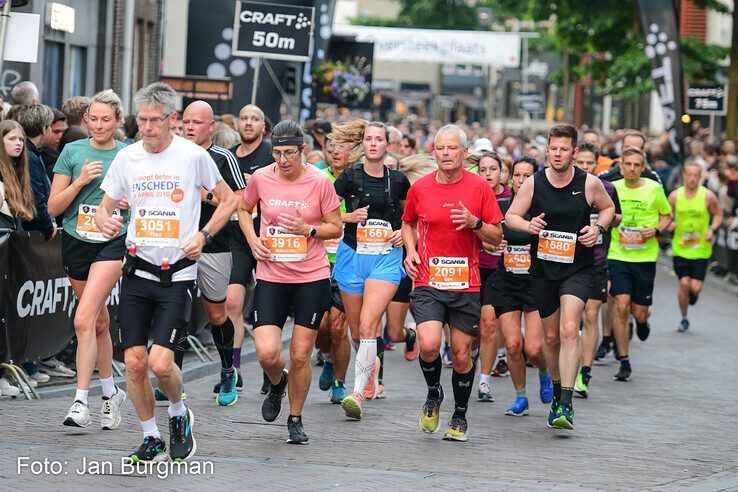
557,389
364,364
566,395
223,338
462,384
432,374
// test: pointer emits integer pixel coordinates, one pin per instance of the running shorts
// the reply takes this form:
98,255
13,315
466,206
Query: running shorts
487,279
273,301
78,256
403,291
634,279
694,269
213,275
547,293
352,270
244,262
461,310
599,287
511,292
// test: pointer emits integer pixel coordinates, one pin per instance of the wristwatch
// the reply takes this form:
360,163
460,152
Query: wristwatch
601,228
207,236
209,197
657,231
478,225
313,232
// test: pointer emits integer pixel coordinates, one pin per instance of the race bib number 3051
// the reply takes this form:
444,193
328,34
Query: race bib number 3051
157,227
86,227
373,236
448,273
285,247
557,246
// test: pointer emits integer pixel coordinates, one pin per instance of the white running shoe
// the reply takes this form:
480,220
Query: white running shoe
40,377
55,367
78,416
8,389
110,413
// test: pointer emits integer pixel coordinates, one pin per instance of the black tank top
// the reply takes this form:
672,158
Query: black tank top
566,211
513,238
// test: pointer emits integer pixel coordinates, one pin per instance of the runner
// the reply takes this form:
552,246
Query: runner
634,250
215,264
292,270
452,211
369,258
511,293
559,199
161,177
693,233
91,263
252,153
588,160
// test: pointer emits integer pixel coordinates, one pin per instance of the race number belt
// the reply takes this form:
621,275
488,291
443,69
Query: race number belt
157,227
86,227
372,237
631,238
593,218
448,273
690,240
285,247
557,246
517,259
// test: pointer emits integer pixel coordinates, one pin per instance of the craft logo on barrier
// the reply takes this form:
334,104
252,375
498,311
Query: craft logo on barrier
279,32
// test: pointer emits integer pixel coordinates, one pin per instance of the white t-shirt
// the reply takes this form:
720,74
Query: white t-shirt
163,191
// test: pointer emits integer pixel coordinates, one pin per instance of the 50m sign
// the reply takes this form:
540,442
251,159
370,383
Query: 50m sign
279,32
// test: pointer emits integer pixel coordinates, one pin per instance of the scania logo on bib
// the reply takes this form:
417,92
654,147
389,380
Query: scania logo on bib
142,212
85,209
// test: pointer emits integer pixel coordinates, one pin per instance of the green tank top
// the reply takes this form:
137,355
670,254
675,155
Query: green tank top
692,223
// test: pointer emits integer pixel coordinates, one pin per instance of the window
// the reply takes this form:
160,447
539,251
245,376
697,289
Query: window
77,70
53,73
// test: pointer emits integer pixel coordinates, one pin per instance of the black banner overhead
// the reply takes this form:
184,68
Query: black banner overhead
661,31
323,31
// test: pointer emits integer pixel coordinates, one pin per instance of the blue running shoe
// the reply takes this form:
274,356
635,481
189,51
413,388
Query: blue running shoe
547,391
338,392
159,394
326,377
564,417
227,395
519,407
553,411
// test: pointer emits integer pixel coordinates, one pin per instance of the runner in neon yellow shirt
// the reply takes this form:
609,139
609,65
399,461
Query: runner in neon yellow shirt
634,249
693,233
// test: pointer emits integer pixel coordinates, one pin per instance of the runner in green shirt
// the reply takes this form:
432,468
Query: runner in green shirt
693,233
634,250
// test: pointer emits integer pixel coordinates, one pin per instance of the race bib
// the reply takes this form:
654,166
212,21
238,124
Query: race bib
557,246
86,227
631,238
157,227
372,237
690,240
517,259
448,273
593,218
331,245
285,247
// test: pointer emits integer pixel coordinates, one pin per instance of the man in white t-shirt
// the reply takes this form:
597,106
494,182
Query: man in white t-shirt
160,176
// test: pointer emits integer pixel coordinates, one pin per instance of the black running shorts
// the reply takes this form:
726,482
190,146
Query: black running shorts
512,292
273,301
694,269
547,293
634,279
244,262
599,287
461,310
403,290
78,256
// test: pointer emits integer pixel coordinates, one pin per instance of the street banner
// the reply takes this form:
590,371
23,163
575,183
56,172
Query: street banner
661,32
323,30
709,99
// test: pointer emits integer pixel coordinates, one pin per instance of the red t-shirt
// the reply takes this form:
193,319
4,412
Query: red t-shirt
449,253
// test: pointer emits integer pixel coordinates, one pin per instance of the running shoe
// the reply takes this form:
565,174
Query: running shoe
352,406
447,355
297,432
552,411
581,385
338,392
457,430
564,417
519,407
484,393
430,419
380,392
372,386
159,394
624,372
546,391
683,326
412,348
643,330
78,415
110,413
271,408
40,377
239,383
603,349
501,369
326,377
8,389
227,394
152,449
56,368
265,384
181,442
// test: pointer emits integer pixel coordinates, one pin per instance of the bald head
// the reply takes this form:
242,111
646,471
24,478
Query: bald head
251,125
198,123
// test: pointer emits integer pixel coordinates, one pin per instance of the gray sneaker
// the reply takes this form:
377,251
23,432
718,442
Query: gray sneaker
110,413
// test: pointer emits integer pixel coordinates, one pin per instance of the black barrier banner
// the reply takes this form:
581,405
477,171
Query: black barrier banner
660,28
4,276
323,31
725,249
278,32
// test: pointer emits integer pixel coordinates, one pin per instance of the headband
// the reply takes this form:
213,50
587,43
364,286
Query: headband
287,141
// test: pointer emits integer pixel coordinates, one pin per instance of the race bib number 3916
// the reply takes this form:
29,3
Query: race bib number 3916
285,247
157,227
557,246
448,273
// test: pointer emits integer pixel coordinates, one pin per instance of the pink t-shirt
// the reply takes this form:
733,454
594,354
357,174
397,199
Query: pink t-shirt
313,195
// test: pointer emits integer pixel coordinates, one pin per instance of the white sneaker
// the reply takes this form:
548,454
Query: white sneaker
78,416
110,413
55,367
8,389
40,377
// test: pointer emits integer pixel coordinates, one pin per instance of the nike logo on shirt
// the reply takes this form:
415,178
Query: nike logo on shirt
575,192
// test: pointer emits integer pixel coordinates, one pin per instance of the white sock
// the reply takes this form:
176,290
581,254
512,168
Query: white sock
150,429
177,409
108,386
485,378
81,395
366,356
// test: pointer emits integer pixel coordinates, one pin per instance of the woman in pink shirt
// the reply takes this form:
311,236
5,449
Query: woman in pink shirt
299,210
